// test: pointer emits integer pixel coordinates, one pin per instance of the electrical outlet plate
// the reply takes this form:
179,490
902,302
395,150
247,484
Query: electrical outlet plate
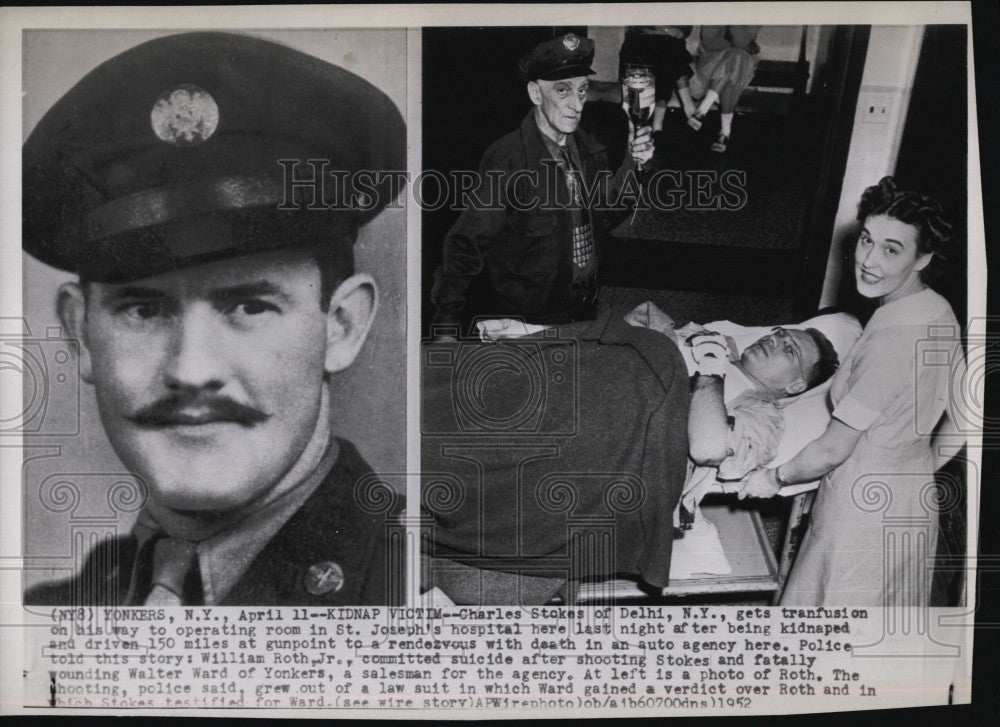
876,108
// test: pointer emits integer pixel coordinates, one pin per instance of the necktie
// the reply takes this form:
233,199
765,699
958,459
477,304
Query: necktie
175,580
583,239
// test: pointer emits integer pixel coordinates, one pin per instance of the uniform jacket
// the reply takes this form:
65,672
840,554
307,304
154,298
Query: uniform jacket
330,527
524,248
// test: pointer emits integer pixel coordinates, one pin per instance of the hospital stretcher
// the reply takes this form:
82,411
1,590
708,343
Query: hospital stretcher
755,567
563,454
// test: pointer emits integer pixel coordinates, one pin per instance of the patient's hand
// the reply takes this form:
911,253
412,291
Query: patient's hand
710,352
760,483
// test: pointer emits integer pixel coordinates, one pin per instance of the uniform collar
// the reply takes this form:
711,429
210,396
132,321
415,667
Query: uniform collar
911,310
224,556
343,524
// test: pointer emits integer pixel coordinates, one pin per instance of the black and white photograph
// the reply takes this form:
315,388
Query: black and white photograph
224,327
498,361
693,316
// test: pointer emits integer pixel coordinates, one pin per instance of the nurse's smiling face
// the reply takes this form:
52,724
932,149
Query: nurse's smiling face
887,259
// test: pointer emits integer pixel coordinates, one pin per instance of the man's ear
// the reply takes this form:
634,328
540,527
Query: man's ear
71,305
352,310
534,93
796,387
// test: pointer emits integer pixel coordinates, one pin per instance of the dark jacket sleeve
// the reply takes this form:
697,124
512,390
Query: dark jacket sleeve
468,241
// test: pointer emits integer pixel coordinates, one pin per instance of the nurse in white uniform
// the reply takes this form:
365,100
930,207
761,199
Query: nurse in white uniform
875,457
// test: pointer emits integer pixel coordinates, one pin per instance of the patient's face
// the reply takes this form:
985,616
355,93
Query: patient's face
782,360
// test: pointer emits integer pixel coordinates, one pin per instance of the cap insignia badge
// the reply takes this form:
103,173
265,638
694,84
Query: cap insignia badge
184,116
571,42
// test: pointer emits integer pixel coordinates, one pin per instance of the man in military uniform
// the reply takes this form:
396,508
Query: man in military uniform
540,246
215,299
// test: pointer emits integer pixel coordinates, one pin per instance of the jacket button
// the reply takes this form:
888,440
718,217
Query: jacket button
323,578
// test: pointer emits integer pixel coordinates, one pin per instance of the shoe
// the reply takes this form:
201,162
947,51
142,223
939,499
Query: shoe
695,121
720,144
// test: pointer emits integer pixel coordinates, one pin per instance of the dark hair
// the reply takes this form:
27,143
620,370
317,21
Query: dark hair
336,264
913,208
828,361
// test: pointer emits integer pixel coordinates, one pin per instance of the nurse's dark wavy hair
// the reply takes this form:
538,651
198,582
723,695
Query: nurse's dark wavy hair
913,208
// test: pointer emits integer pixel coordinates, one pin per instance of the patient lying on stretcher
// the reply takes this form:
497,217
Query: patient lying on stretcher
516,513
741,390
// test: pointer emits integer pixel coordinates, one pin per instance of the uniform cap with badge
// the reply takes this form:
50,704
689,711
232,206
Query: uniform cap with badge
566,56
170,155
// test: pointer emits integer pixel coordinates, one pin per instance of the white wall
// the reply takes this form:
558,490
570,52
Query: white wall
888,80
607,42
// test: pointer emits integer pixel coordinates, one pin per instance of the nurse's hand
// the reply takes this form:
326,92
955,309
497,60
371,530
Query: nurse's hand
760,483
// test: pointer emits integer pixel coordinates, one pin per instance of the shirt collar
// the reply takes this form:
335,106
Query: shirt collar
223,557
555,150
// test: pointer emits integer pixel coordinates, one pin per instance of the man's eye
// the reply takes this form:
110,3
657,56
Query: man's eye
145,310
253,307
890,250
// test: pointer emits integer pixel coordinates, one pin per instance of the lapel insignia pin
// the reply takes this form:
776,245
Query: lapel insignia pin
325,577
184,116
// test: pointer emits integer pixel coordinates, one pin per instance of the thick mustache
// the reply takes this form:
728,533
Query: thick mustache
175,410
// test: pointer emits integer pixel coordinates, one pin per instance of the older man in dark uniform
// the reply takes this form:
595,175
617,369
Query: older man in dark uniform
216,296
540,246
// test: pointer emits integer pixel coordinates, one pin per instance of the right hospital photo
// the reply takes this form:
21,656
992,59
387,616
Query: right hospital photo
694,319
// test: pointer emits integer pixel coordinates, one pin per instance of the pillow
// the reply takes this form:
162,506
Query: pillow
807,415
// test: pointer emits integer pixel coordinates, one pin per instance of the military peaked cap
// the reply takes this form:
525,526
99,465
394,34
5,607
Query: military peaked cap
184,150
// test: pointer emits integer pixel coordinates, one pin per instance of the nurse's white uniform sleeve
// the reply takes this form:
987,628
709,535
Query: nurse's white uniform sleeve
879,375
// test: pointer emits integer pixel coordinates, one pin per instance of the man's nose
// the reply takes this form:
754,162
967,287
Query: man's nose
193,360
576,102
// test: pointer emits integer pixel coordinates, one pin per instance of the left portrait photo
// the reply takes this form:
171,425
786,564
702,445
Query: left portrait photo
213,332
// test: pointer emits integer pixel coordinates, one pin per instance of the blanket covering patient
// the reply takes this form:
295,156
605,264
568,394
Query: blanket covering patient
536,448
